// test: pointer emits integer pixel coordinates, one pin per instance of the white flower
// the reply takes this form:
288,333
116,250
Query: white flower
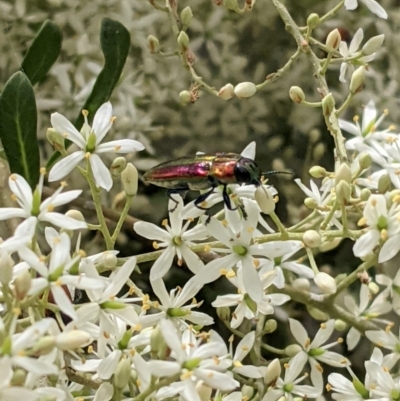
89,142
392,287
378,307
315,351
350,53
245,307
372,5
367,132
176,239
278,254
383,225
195,361
55,275
288,386
239,247
30,204
173,306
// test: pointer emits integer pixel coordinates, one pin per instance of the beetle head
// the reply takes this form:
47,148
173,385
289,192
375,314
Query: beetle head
247,172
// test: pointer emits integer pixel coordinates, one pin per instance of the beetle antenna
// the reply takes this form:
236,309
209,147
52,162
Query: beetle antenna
274,172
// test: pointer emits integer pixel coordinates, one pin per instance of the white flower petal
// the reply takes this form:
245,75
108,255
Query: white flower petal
100,172
65,166
120,146
64,127
102,121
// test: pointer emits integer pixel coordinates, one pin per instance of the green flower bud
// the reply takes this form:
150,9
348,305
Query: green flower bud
122,374
185,97
319,151
365,161
56,139
6,267
112,305
357,80
333,40
186,16
224,313
328,104
312,239
245,90
153,44
365,194
18,378
117,166
130,179
384,183
317,314
226,92
318,172
325,283
311,203
270,326
313,20
273,372
340,325
110,260
373,45
75,214
43,346
247,392
157,343
296,94
293,349
231,4
183,41
314,135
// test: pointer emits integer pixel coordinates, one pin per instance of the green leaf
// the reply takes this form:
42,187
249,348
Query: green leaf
43,52
18,120
115,42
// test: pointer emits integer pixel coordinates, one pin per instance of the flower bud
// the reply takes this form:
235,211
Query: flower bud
311,203
319,151
231,4
75,214
273,372
224,313
357,80
373,45
330,245
384,183
270,326
373,288
247,392
6,267
18,378
73,339
313,20
328,104
22,284
183,41
340,325
312,238
333,40
203,391
365,161
110,260
129,180
317,314
56,139
264,199
185,97
122,374
325,283
186,16
153,44
245,90
296,94
365,194
343,173
314,135
226,92
343,192
293,349
117,166
318,172
43,346
301,284
157,343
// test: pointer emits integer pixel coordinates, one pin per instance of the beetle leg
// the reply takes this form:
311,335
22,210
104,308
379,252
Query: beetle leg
202,198
227,201
179,191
